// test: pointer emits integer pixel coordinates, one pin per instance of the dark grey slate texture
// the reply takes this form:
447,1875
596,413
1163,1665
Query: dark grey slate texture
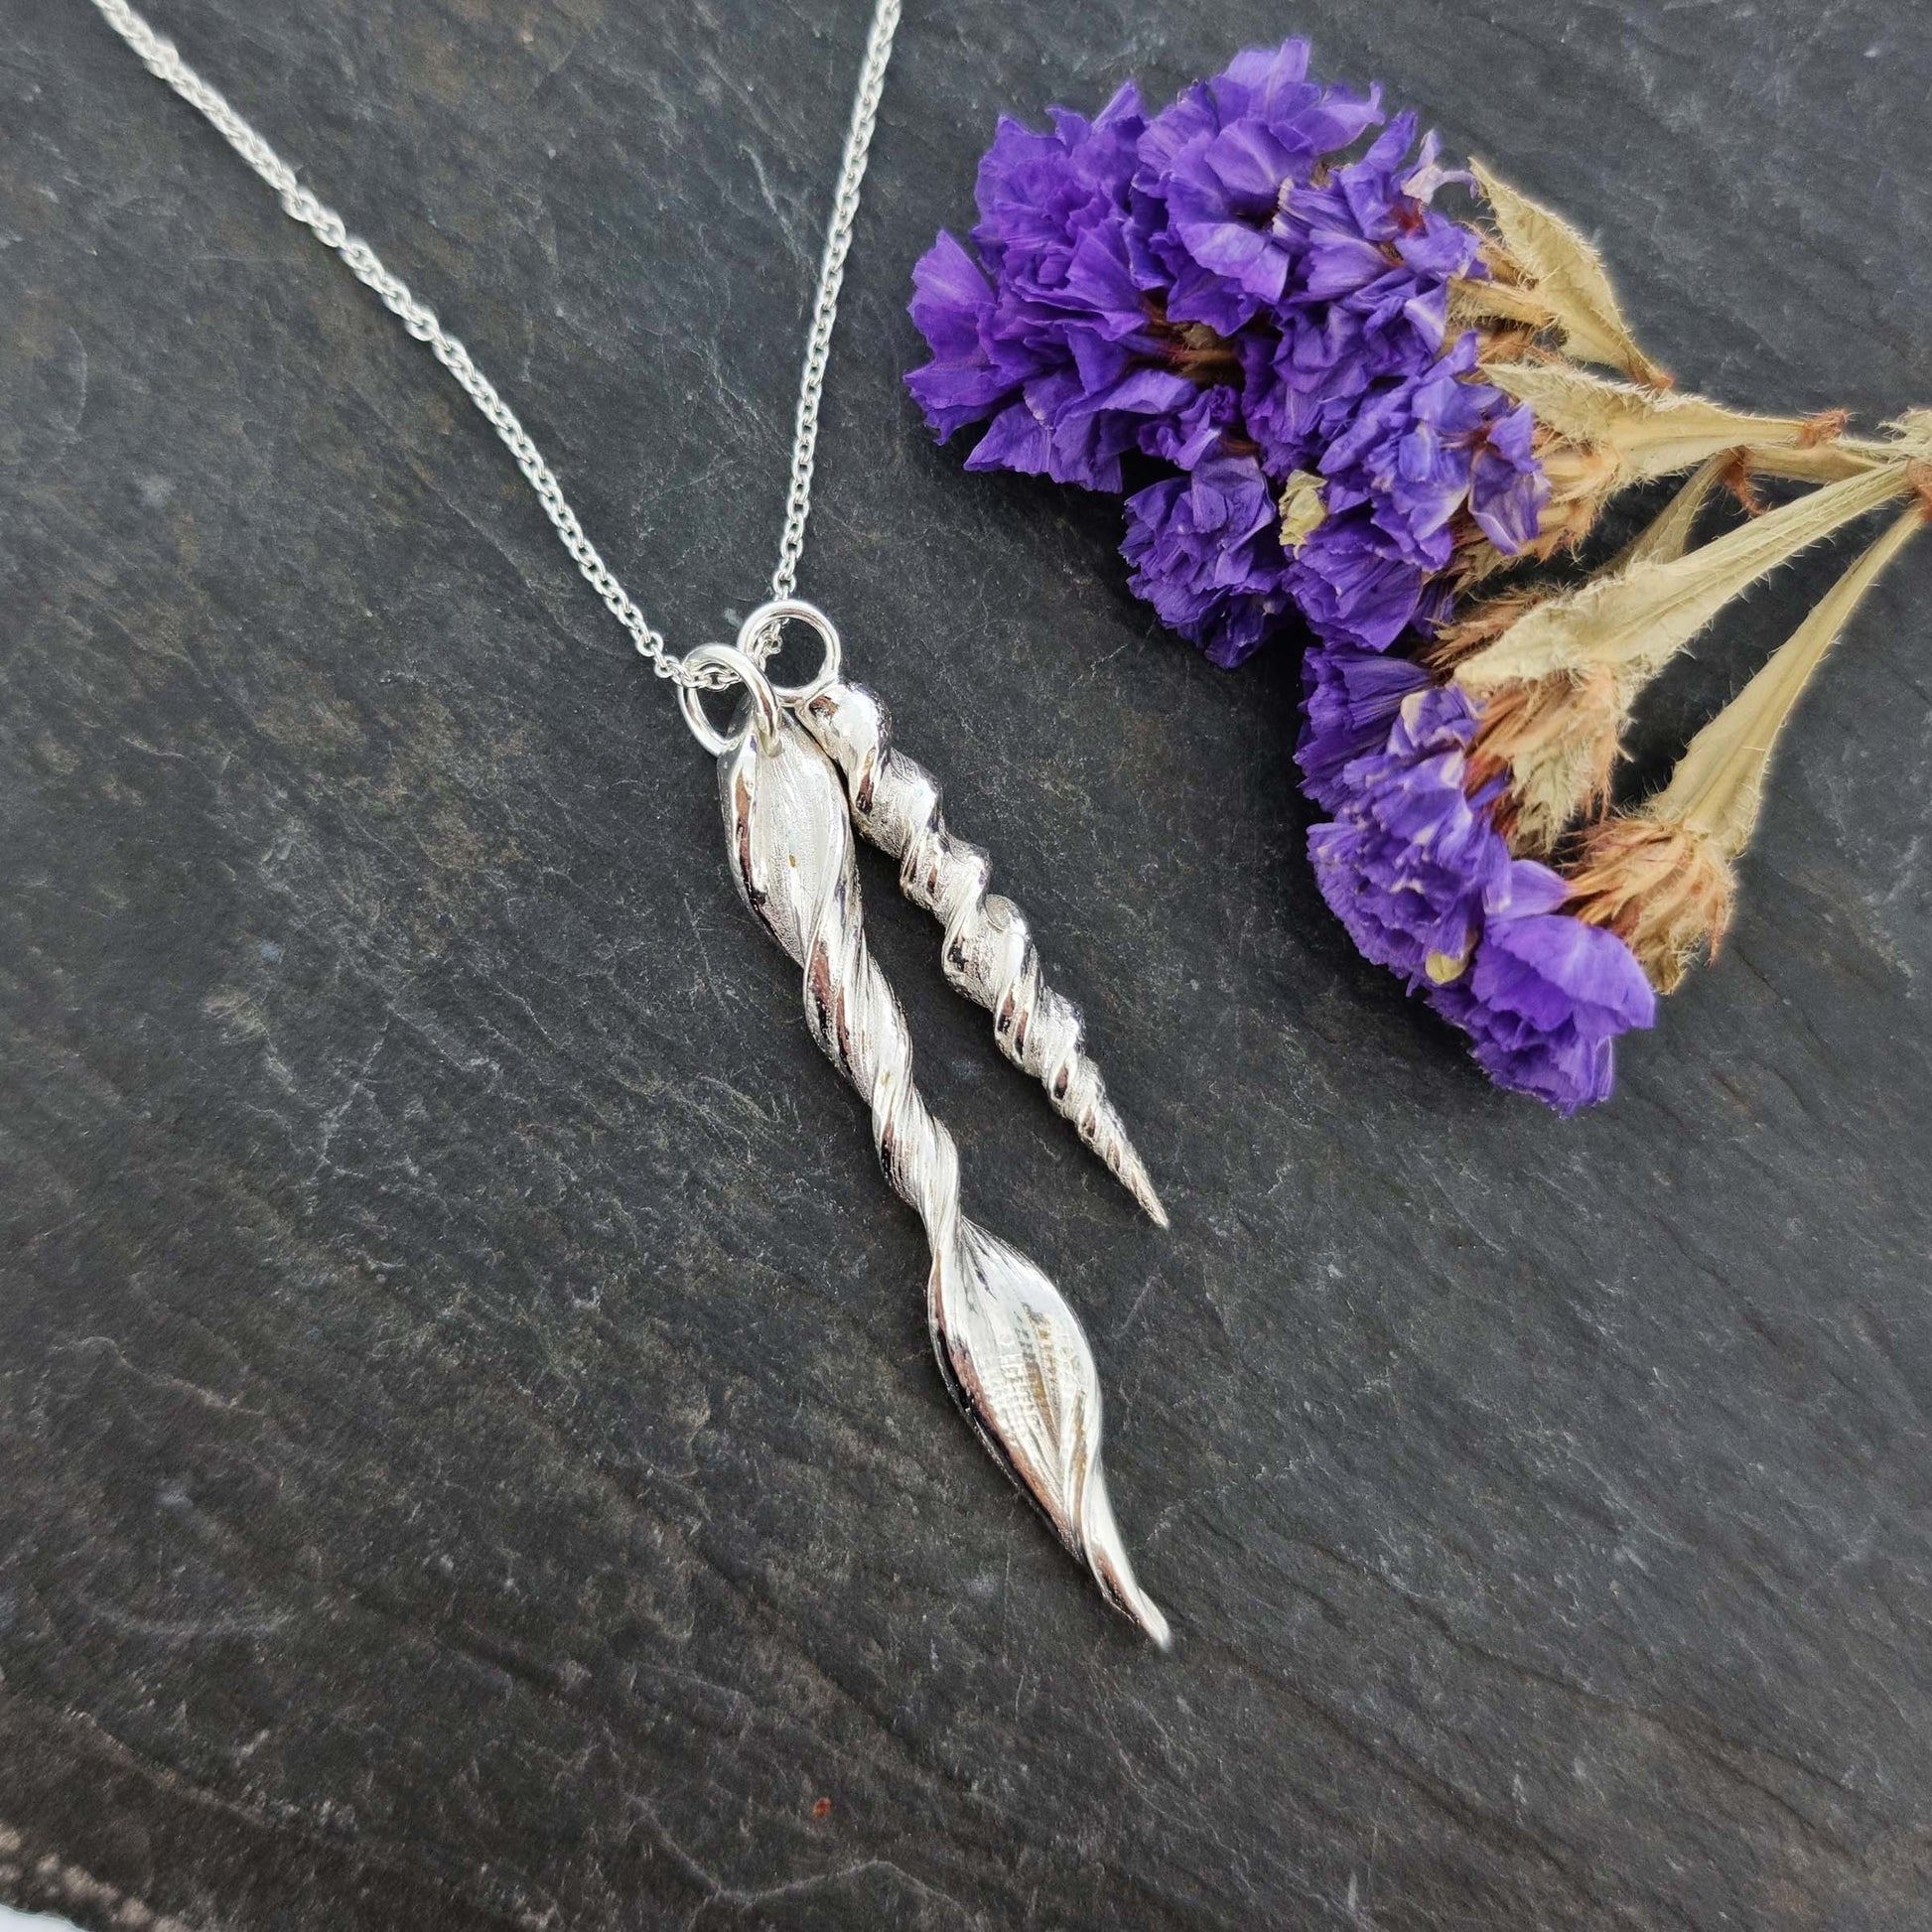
469,1453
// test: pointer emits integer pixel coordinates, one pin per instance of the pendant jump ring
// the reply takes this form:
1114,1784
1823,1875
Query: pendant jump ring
770,620
743,671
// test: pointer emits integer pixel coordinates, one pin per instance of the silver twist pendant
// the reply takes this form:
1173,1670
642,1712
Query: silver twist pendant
1011,1350
989,952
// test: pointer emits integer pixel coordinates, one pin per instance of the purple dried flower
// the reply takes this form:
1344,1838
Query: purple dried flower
1508,488
1064,428
1046,336
1413,451
1040,194
1218,290
1127,266
973,371
1368,298
1415,870
1198,433
1352,586
1416,453
1213,171
1409,856
1546,995
1370,237
1206,554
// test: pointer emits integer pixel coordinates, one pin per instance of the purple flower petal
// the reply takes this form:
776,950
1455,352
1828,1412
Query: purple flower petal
1350,704
1207,556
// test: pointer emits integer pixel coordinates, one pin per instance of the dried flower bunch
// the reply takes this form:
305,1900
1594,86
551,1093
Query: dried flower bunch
1357,409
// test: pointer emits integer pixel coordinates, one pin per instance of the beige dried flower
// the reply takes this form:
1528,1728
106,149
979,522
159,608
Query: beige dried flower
1302,507
1666,889
1555,740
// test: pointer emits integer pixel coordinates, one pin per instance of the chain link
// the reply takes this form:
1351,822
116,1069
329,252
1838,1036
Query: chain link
162,59
831,276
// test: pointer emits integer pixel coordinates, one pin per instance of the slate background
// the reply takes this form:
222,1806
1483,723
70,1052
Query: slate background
469,1454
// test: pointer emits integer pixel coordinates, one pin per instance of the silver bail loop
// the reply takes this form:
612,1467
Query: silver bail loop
760,634
739,669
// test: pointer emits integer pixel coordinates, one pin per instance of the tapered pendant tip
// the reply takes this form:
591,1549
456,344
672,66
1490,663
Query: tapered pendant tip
1148,1615
1142,1188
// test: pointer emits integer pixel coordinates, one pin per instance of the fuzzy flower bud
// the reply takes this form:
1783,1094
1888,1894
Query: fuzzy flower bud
1665,888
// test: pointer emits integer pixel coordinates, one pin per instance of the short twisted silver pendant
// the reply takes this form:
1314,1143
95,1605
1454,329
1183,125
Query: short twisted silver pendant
1011,1350
989,952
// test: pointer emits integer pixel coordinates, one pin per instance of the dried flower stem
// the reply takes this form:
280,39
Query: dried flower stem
1649,432
1718,788
1556,687
1636,620
1848,456
1662,878
1668,535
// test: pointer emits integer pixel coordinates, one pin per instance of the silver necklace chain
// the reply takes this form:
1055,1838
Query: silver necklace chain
162,59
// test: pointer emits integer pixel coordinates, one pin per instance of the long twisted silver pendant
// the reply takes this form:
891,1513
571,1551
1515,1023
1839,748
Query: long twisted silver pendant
1011,1350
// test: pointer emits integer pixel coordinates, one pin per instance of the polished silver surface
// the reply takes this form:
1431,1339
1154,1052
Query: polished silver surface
1011,1349
989,952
